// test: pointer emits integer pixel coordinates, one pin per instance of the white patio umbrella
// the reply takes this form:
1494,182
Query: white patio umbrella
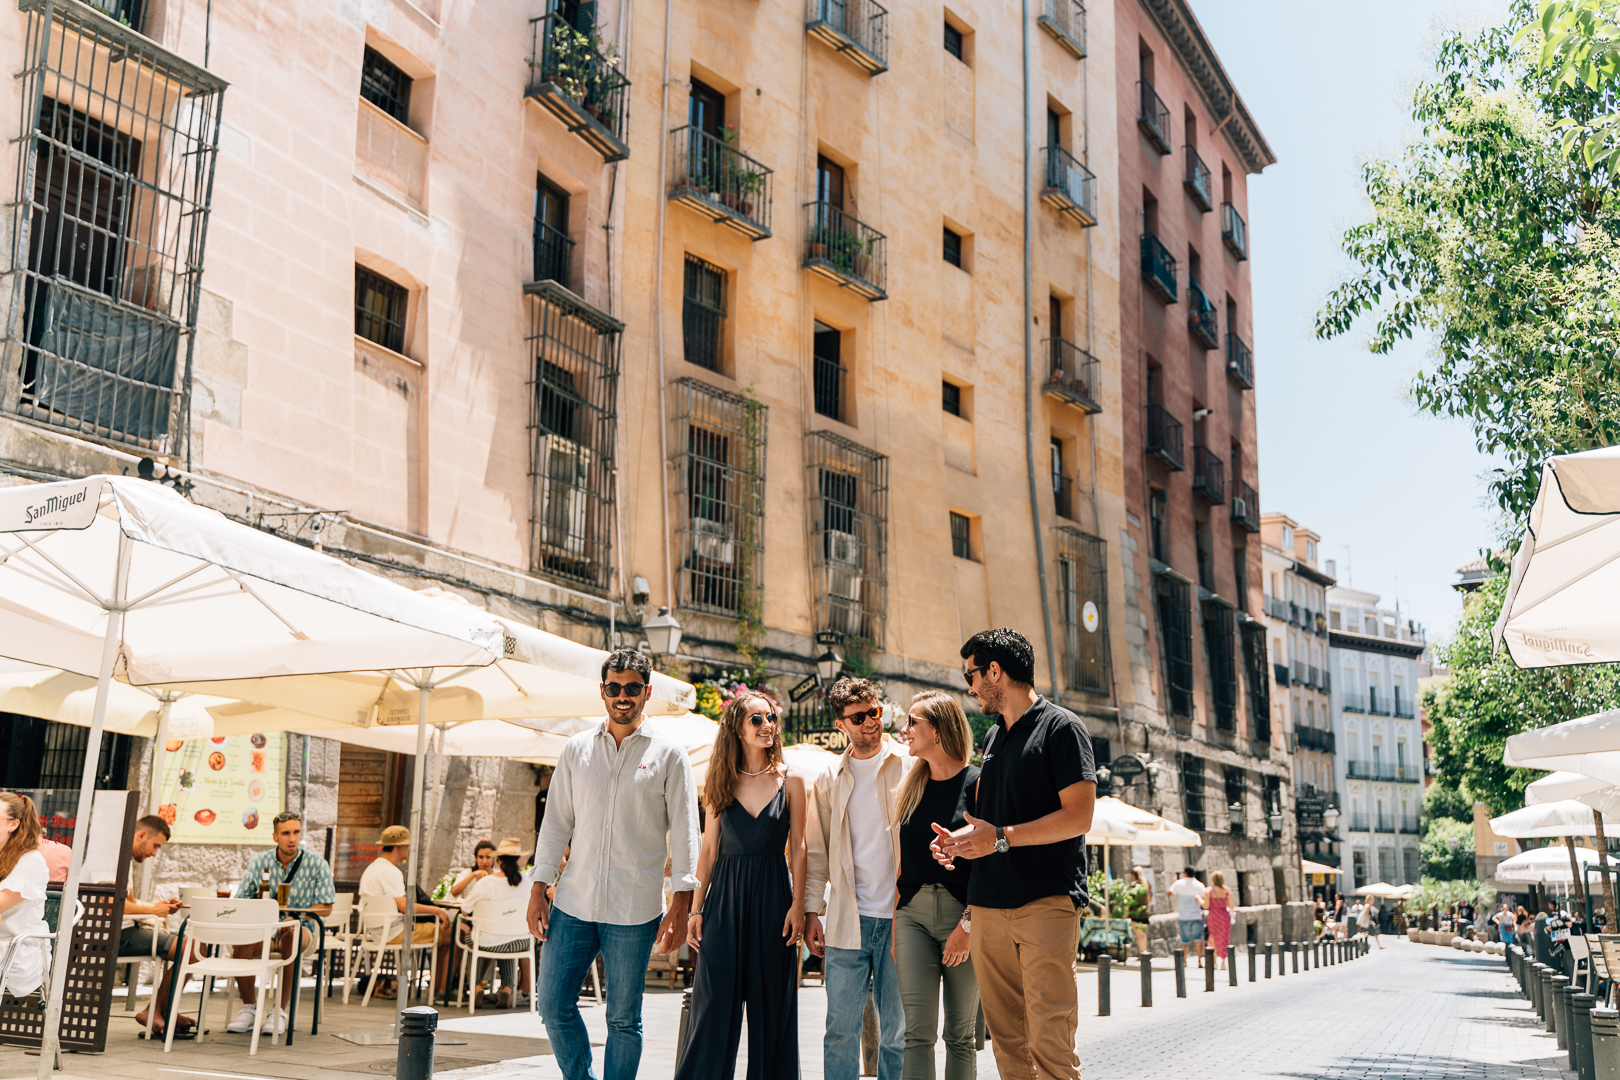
1553,820
1383,890
116,574
1542,866
1589,746
1310,867
1561,786
1566,575
1115,822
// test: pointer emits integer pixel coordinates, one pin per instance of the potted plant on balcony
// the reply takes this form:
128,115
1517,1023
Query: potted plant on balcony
820,238
603,79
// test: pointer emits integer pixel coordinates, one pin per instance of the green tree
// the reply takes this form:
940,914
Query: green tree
1487,699
1447,852
1489,237
1445,800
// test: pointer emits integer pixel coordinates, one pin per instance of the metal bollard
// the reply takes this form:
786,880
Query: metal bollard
416,1027
680,1027
1605,1044
1580,1035
1251,961
1268,959
1282,959
1181,971
1294,949
1550,998
1231,964
1533,977
1560,999
1146,960
1209,969
1105,964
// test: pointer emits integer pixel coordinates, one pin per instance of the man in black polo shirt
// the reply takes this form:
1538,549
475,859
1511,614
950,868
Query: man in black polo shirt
1037,789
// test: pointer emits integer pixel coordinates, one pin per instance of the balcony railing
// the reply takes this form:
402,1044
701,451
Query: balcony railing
1201,318
1314,676
1404,711
1350,701
1065,20
580,84
1158,268
553,254
1063,497
720,182
1234,233
1164,437
1069,186
1400,774
1197,180
1309,738
1280,673
1299,672
1154,119
1239,361
1209,474
857,29
1386,823
1277,609
1245,506
840,247
1325,683
1073,374
1375,707
1294,615
1410,825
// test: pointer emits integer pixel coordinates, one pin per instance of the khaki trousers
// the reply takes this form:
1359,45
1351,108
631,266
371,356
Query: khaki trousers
1024,960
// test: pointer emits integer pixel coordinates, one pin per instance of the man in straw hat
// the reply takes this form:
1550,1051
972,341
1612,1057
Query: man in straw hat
622,796
385,878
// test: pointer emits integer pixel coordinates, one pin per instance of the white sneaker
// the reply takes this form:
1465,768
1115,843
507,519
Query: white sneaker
275,1022
243,1024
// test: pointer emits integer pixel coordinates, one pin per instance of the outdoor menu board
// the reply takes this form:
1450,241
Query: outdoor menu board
224,790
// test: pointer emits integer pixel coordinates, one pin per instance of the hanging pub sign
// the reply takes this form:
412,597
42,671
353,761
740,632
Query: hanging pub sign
1309,809
803,689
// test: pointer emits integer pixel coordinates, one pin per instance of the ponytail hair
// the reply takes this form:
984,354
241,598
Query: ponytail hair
508,866
20,808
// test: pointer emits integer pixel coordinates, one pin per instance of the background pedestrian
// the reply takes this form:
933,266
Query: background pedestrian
1218,902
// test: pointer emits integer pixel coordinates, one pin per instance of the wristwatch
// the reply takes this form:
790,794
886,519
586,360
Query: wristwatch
1002,846
967,921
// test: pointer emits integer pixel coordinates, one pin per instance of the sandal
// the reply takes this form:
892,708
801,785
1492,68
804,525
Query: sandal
503,999
386,993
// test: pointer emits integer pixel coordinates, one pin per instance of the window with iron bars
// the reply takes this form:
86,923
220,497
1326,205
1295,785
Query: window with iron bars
379,309
703,315
828,373
46,754
112,204
384,85
1220,656
1173,602
848,519
572,426
720,497
1192,790
1256,680
1237,791
1082,581
961,536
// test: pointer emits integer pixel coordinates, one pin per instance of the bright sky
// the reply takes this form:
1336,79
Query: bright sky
1342,449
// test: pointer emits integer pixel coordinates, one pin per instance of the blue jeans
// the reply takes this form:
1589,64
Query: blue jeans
571,947
850,973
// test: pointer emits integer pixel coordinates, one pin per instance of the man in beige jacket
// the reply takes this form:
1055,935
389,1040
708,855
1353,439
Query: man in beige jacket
853,861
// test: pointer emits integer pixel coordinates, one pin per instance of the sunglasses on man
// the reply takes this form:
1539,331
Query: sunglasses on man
613,689
859,719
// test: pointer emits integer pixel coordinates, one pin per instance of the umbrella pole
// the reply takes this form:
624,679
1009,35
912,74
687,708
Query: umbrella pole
418,783
155,782
1603,864
1574,872
50,1040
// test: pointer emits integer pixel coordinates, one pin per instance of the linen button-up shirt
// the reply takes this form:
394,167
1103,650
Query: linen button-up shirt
618,810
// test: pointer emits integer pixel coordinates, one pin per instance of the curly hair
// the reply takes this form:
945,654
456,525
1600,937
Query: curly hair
851,690
1008,648
628,660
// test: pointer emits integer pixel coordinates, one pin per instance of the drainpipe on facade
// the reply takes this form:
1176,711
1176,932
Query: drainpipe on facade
658,308
1029,390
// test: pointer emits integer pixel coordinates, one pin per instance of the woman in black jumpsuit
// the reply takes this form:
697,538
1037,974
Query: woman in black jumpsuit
748,915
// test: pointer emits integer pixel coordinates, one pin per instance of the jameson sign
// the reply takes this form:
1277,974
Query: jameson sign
25,508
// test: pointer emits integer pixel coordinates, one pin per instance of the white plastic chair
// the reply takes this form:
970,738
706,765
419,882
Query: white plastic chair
52,908
135,964
494,920
217,924
1581,951
340,934
380,921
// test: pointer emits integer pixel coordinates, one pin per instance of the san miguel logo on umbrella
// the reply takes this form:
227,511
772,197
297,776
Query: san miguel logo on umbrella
59,510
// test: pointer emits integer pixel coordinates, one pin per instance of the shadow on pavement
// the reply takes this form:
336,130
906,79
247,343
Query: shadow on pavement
1424,1066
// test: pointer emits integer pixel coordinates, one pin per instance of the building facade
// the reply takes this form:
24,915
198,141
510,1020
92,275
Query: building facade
1377,655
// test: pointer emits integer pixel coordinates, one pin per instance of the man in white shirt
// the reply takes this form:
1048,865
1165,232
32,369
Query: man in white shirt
1189,893
852,846
385,878
622,796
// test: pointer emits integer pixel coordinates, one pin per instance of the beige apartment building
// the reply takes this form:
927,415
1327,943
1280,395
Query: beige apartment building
797,317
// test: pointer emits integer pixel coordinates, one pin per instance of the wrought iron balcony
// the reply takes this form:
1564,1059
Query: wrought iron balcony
1245,506
1299,672
1197,181
840,247
1386,823
1154,118
1293,614
553,254
1277,609
579,83
720,182
1069,186
1065,20
1325,683
1239,361
1314,676
1158,268
1209,474
1063,497
1164,437
1410,825
1201,318
1360,823
1234,233
1376,707
1308,738
1404,711
1351,701
1280,673
857,30
1073,375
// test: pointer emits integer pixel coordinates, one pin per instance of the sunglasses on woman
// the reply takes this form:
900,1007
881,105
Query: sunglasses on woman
762,718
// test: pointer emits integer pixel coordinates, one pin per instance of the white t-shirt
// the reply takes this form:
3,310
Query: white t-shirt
1355,915
494,887
383,878
29,878
869,841
1187,892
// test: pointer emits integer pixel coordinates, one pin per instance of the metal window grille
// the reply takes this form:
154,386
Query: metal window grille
58,752
1259,686
953,248
1358,865
379,309
849,497
857,28
951,398
703,315
961,536
953,41
1192,790
720,496
828,373
384,85
1237,791
572,425
1083,605
1410,857
1174,603
1220,654
114,185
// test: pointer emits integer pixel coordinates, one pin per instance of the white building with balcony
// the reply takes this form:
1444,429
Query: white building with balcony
1376,655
